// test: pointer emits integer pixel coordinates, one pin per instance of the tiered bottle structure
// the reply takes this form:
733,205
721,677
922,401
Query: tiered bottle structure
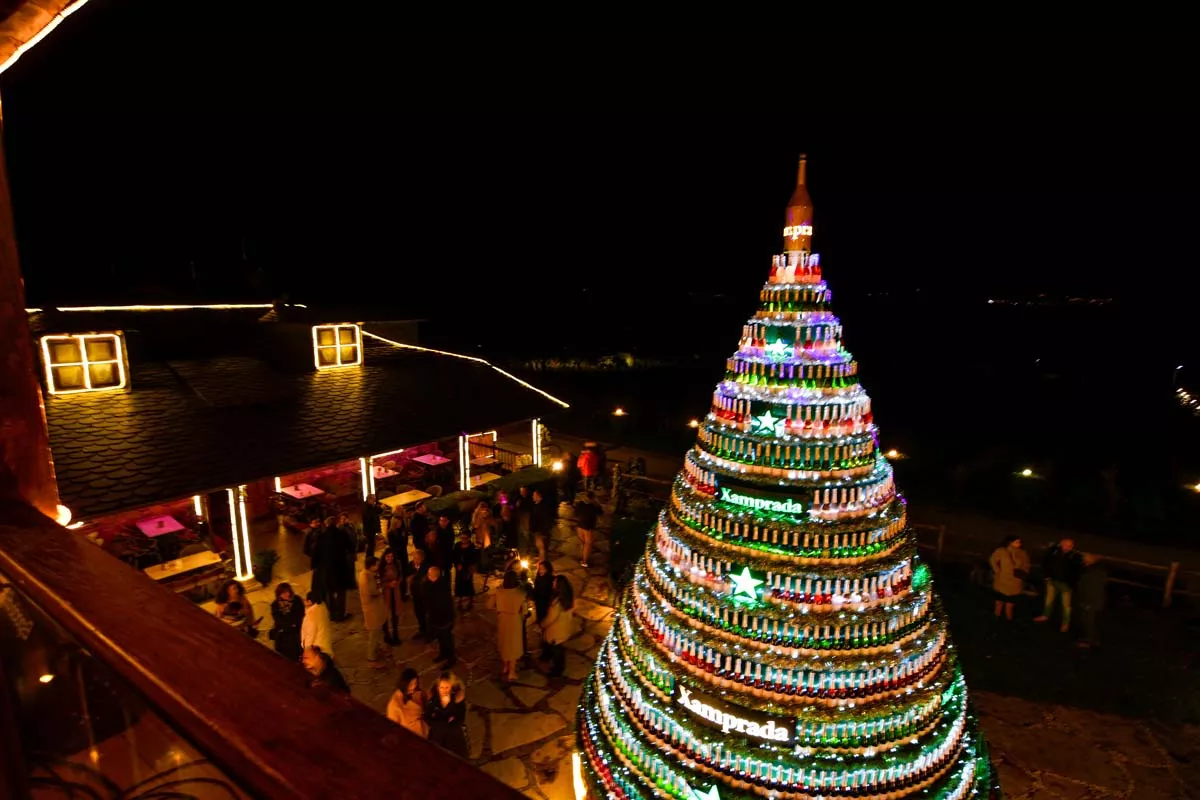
781,638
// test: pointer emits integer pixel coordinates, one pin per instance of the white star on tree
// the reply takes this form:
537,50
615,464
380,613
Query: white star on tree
746,584
711,794
770,423
777,348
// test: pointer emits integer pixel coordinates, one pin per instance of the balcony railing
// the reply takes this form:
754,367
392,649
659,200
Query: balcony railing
111,686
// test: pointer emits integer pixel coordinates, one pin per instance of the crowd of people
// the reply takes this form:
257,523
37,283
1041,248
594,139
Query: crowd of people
1070,579
434,563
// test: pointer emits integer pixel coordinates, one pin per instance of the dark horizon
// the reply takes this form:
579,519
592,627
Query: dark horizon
144,169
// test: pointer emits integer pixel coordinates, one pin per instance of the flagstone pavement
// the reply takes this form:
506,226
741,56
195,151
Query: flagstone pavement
523,734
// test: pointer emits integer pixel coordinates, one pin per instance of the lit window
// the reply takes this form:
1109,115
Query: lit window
89,362
336,346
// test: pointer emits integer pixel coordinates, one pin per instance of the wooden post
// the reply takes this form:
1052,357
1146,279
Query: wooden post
1169,589
24,441
941,542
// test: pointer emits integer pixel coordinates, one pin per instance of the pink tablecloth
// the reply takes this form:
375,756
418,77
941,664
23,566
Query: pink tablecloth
432,460
157,526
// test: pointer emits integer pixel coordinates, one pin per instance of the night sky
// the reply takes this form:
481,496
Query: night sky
158,158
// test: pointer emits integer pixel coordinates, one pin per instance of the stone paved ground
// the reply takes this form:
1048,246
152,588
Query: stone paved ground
1119,722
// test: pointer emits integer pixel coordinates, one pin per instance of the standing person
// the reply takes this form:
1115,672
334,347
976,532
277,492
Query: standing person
419,579
418,524
320,665
374,612
523,507
1010,570
1090,593
510,624
287,615
316,630
391,578
311,537
483,524
559,625
397,539
466,561
370,522
587,515
1061,568
543,595
508,534
439,606
234,607
447,715
570,477
406,707
542,517
335,572
445,540
589,466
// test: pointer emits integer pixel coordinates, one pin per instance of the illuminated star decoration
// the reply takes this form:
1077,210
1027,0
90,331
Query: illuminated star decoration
711,794
746,584
770,423
777,348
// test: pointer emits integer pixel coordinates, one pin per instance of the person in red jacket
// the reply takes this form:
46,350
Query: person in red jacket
589,468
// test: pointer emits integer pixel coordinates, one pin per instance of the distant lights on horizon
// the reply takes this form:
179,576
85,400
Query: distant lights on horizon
619,412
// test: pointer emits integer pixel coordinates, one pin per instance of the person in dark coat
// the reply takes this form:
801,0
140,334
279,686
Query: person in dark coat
466,561
419,579
371,515
397,539
418,525
335,570
446,715
523,507
287,612
587,516
320,665
542,517
1090,595
439,607
1061,569
543,596
445,540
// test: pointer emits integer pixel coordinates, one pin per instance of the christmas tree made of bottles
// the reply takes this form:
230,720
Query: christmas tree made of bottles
781,638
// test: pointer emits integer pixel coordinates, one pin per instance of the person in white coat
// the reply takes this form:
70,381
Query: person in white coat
317,630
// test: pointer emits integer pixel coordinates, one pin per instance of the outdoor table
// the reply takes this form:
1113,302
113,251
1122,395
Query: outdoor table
158,526
482,478
404,498
382,472
302,491
483,461
169,569
432,459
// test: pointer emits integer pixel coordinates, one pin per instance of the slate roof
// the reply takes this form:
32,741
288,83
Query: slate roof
199,425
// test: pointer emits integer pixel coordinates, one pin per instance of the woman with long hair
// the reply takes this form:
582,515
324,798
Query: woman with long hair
407,704
391,579
543,595
235,608
446,714
559,625
287,615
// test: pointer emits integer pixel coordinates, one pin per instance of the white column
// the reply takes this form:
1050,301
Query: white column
239,530
368,478
537,442
198,504
464,463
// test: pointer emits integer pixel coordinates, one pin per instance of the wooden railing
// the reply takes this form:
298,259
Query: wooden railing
237,715
963,545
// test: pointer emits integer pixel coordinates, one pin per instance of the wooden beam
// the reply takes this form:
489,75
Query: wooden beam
24,441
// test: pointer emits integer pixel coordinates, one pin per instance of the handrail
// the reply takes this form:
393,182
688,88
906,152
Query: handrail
1169,587
243,706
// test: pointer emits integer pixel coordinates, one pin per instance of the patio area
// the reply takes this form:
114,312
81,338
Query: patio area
1063,741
